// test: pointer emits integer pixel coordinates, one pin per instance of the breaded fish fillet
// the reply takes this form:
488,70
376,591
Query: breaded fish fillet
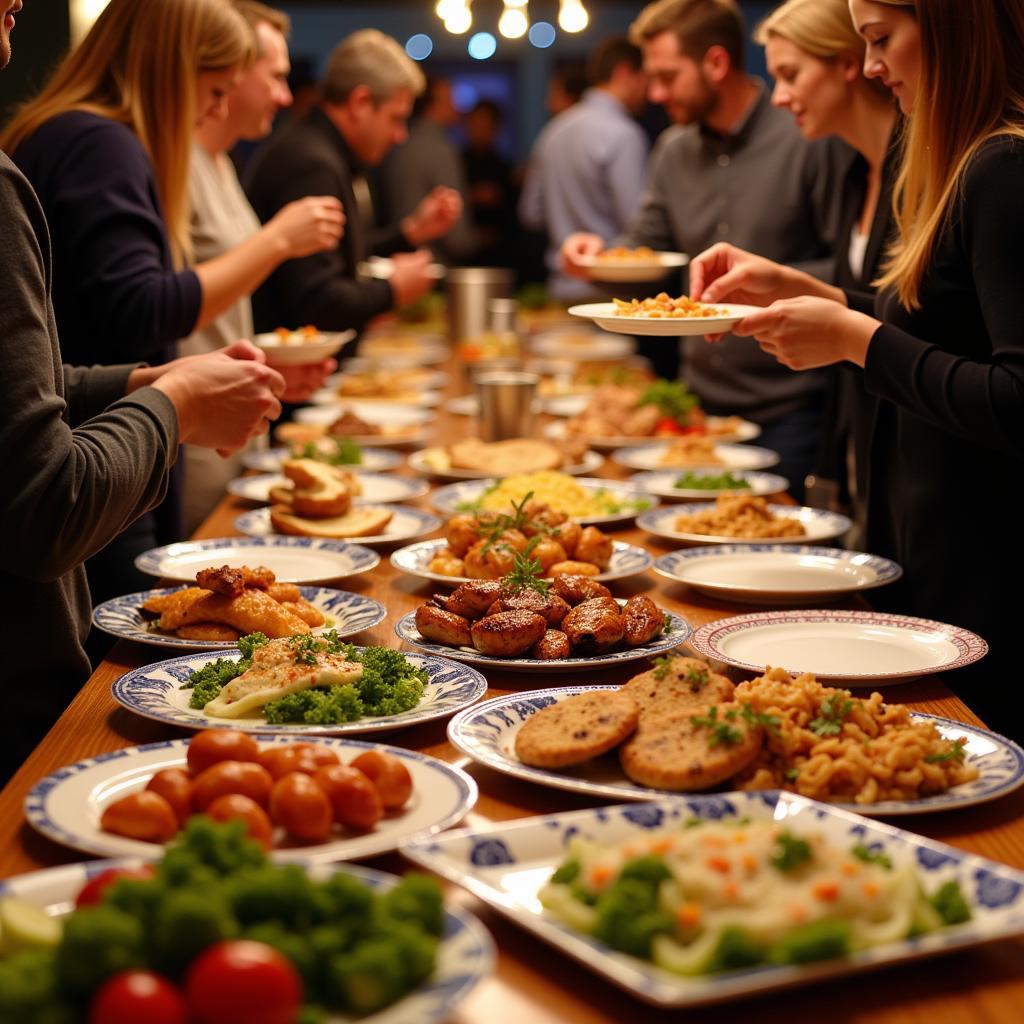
251,612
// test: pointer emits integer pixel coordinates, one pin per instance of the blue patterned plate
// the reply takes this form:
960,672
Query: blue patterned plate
487,734
818,523
405,524
730,456
270,460
376,488
67,805
154,691
776,573
663,483
678,632
506,864
627,560
122,616
290,559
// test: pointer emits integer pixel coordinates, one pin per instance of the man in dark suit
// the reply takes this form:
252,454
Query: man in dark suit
368,91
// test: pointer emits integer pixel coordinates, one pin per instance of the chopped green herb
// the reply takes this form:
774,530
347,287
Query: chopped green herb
525,575
791,852
869,856
955,752
770,723
672,398
721,731
791,774
691,481
346,452
833,710
950,904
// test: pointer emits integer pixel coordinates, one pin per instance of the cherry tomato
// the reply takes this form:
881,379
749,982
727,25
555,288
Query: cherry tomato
175,786
302,807
353,796
318,754
297,757
242,982
144,815
134,996
667,425
245,777
233,805
213,745
388,774
92,892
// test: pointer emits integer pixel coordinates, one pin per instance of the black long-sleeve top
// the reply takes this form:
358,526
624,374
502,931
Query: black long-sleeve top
116,294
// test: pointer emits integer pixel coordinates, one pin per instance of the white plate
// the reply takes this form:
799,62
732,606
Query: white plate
290,559
426,380
860,648
154,691
745,431
464,957
301,353
581,346
603,314
818,523
627,560
486,733
381,268
270,460
67,805
454,497
377,489
590,463
505,865
421,399
777,573
122,616
678,632
382,414
425,352
663,484
406,523
651,268
555,405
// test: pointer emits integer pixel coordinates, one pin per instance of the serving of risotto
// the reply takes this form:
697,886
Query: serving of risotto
739,515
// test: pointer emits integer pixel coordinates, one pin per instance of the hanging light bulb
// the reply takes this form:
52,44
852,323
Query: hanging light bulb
513,22
572,16
459,18
445,7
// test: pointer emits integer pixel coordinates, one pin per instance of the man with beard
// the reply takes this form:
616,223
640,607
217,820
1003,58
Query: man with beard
733,168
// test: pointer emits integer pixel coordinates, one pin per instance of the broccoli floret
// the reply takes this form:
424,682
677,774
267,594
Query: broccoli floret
416,899
310,1013
186,922
136,896
296,947
206,849
206,683
248,644
820,940
735,949
415,950
950,904
96,944
268,893
332,705
566,873
380,970
389,684
28,990
628,918
649,869
346,900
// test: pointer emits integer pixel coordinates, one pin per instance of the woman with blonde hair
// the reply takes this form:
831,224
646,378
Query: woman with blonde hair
106,146
942,344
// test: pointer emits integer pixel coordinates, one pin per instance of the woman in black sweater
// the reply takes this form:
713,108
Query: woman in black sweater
942,345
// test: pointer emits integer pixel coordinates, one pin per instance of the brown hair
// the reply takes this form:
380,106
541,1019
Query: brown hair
697,24
254,13
370,58
138,66
971,89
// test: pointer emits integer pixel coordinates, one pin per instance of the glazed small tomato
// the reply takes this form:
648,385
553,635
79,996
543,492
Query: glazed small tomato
175,786
242,981
388,774
92,892
133,996
299,805
249,779
318,754
297,757
145,815
233,805
353,796
213,745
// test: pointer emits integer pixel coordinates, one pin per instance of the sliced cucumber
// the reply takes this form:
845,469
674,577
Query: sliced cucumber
23,925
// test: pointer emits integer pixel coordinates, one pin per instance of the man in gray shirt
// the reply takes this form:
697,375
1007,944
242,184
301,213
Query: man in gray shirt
733,168
586,170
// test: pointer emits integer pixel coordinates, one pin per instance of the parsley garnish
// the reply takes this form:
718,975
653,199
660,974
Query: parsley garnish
833,710
955,752
691,481
791,852
525,575
673,399
791,774
770,723
721,731
870,856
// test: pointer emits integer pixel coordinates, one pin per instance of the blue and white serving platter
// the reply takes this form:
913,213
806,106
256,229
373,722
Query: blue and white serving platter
290,559
724,429
458,497
678,632
406,523
860,648
67,805
506,864
663,482
487,734
465,955
270,460
122,617
155,691
627,560
818,523
729,456
376,488
776,573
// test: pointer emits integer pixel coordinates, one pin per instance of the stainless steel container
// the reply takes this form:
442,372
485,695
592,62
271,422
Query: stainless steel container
470,291
505,403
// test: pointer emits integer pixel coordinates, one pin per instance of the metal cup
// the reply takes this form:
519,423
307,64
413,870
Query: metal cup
505,403
470,290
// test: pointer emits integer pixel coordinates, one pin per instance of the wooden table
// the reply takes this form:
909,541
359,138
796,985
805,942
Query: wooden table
532,982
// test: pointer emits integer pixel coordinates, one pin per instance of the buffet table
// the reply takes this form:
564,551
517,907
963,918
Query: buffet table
531,981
